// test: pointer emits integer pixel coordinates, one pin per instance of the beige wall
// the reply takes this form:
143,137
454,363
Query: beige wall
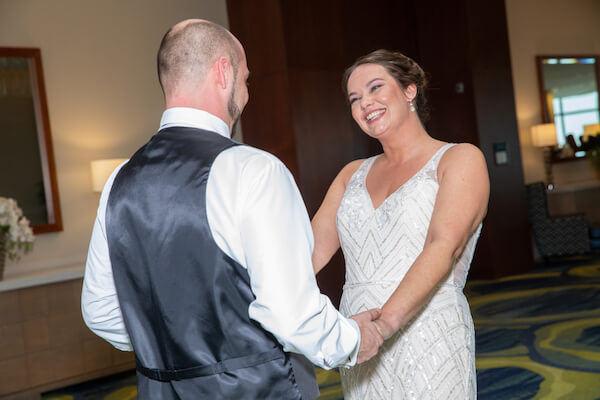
103,97
539,27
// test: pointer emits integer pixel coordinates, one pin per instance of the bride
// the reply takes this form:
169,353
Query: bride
407,221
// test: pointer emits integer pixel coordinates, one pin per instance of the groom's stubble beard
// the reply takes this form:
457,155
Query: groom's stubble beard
233,109
235,126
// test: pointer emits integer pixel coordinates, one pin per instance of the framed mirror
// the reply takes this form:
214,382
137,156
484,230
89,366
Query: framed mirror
569,93
26,156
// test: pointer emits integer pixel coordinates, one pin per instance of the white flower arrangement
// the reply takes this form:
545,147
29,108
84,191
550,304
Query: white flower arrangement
19,236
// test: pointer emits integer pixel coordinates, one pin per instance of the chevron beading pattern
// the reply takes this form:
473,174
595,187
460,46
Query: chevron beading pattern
433,356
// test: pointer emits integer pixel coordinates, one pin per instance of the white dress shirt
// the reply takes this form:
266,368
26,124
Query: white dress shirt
257,217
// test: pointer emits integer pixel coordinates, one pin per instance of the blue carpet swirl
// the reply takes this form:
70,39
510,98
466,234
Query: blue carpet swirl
538,334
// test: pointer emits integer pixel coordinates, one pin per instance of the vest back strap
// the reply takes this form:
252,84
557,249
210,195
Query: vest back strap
165,375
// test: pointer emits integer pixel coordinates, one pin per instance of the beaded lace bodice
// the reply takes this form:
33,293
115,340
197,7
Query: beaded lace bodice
432,356
381,244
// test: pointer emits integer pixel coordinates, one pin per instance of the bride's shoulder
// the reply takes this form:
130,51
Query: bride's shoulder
349,170
463,152
352,166
462,157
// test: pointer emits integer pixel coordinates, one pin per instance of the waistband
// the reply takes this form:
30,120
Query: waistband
166,375
445,285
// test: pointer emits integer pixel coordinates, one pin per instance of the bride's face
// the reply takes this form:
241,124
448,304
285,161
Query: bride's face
378,103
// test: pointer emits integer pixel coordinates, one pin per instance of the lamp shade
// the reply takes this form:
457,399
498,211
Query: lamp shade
591,130
101,170
544,135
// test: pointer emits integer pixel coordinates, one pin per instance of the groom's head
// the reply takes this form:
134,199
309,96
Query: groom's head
202,65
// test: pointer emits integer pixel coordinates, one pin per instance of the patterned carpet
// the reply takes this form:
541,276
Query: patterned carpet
538,337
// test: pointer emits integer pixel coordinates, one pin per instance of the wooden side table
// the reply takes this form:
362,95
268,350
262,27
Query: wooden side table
576,198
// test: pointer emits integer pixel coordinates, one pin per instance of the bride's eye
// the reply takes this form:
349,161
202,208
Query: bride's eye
375,87
352,100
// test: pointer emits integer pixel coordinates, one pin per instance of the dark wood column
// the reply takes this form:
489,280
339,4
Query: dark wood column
506,248
464,46
297,51
267,118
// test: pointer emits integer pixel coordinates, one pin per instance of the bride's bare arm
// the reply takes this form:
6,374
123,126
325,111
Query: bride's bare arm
460,206
323,223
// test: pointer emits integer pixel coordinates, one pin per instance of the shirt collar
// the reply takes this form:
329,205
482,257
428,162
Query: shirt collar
193,118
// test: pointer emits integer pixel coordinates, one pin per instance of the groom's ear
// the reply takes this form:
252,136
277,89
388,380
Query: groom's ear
224,72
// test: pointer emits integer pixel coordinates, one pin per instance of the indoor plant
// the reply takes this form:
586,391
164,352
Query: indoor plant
16,236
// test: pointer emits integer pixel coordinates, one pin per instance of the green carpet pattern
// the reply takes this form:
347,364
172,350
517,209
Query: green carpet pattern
537,337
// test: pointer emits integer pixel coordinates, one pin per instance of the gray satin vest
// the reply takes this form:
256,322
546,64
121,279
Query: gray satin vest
184,301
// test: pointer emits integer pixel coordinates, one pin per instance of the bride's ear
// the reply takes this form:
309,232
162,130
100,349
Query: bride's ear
410,92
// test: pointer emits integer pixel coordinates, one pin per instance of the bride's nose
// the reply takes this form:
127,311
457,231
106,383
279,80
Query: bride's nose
365,101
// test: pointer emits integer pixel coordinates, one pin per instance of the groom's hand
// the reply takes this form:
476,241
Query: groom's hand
370,338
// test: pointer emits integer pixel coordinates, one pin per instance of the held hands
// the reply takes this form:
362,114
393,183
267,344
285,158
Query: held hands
384,328
370,336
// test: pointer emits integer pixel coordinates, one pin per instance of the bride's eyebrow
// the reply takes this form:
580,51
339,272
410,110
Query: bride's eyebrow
373,80
367,85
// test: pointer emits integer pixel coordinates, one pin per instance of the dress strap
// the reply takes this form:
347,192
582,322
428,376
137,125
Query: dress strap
431,168
440,153
363,169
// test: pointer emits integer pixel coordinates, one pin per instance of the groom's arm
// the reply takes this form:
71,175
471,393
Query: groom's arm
99,303
277,240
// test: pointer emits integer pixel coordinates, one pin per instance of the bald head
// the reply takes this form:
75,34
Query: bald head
189,49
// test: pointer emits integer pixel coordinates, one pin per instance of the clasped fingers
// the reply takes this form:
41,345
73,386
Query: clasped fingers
370,337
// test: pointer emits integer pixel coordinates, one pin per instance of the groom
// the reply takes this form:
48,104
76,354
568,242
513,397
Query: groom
200,257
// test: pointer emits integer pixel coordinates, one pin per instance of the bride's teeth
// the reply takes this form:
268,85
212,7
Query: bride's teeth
374,114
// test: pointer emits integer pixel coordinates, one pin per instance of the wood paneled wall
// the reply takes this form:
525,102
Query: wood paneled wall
466,42
297,52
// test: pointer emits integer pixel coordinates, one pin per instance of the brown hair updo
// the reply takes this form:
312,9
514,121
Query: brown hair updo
402,68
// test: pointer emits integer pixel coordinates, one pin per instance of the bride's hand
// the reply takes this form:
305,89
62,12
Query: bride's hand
385,329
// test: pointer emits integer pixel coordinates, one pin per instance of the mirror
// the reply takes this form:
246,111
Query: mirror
26,156
569,93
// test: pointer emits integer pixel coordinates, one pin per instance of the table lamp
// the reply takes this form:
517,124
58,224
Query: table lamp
591,130
101,170
544,135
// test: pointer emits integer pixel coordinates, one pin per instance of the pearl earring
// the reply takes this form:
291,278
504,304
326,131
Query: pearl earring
412,106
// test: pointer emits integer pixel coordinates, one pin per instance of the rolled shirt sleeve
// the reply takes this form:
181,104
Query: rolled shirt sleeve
277,240
99,303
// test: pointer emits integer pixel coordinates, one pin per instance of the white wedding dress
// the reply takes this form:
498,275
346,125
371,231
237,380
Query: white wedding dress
433,356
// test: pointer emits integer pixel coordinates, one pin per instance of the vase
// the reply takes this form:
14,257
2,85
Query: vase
3,244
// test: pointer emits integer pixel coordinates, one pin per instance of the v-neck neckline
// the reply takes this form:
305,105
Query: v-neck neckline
372,161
